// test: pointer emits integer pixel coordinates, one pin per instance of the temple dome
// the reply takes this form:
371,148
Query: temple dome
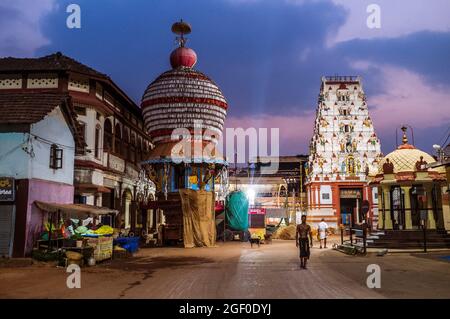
178,98
405,159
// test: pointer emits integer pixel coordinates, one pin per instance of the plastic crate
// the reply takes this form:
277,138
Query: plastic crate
131,244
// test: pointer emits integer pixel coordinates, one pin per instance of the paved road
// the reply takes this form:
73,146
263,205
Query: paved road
234,270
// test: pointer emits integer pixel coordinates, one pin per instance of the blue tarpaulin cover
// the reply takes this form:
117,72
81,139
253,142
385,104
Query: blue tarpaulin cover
237,211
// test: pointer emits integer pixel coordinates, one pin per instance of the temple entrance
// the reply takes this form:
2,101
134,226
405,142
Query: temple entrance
350,203
397,208
417,204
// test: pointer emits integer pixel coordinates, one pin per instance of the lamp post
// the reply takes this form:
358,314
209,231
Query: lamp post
439,152
301,185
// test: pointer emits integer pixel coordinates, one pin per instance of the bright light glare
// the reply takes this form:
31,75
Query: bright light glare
250,192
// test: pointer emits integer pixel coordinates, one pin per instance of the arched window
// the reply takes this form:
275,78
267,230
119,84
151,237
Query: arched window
132,156
107,136
125,147
117,138
139,149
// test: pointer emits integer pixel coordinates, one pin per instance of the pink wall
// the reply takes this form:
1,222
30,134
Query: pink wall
45,191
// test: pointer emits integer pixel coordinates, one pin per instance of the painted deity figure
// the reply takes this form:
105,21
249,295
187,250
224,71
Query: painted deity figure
358,166
343,168
349,145
351,165
342,145
354,145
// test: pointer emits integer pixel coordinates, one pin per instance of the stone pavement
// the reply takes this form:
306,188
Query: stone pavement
234,270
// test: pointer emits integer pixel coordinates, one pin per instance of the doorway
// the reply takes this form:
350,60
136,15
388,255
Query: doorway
397,208
417,204
350,205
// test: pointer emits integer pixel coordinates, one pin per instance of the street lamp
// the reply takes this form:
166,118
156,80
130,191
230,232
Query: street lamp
438,150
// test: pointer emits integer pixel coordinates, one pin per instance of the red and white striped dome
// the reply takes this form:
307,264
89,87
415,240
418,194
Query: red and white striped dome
179,98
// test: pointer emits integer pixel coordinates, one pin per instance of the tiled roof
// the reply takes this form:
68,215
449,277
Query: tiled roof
27,108
53,62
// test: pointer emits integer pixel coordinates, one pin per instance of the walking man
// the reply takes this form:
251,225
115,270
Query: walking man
301,238
323,232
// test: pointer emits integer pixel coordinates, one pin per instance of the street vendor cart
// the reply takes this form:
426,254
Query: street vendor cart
92,241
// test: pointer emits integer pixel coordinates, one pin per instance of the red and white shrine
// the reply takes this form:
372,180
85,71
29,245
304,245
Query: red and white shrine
344,148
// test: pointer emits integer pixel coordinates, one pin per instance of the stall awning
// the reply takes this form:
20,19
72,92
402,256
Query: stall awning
75,209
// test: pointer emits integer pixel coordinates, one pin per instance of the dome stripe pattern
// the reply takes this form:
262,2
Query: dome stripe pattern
180,97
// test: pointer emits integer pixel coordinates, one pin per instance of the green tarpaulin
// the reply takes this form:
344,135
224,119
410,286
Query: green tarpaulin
237,211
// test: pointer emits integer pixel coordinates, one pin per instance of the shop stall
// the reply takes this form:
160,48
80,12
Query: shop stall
77,228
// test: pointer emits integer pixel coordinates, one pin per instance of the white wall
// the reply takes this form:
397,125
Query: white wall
14,162
326,189
55,129
17,163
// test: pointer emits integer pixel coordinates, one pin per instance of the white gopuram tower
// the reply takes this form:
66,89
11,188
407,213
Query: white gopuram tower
344,149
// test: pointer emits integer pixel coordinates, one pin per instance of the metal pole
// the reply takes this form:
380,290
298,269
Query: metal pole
364,237
424,237
301,185
49,245
351,225
224,219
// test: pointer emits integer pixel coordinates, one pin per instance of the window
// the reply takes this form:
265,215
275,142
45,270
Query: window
139,149
325,196
80,110
126,145
117,138
81,150
83,129
56,157
78,199
97,141
97,116
132,156
98,91
107,137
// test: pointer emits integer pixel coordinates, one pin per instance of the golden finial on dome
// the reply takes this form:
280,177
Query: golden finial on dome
404,138
405,144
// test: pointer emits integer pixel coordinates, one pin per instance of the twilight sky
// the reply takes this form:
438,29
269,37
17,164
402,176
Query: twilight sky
267,56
